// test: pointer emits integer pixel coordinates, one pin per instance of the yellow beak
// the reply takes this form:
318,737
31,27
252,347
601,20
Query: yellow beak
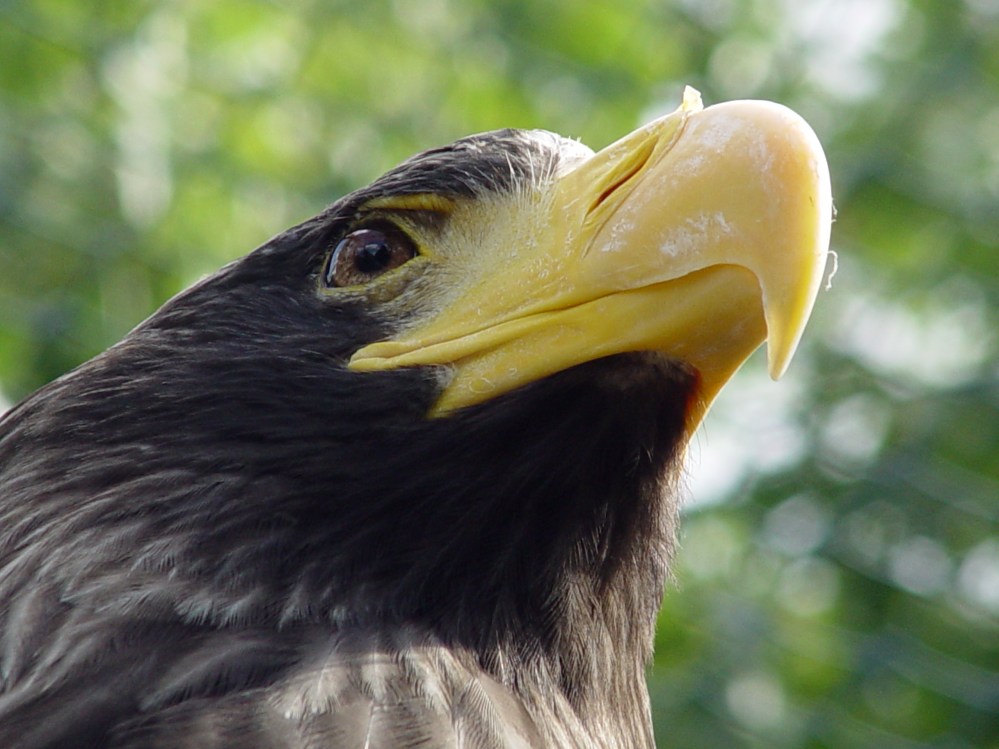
699,236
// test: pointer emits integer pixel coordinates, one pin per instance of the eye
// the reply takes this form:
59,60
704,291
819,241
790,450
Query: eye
365,254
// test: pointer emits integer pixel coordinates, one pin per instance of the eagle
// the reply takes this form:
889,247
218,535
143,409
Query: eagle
408,474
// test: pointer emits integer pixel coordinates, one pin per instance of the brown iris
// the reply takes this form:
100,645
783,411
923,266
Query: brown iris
365,254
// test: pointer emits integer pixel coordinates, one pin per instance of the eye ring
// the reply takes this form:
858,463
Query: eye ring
364,254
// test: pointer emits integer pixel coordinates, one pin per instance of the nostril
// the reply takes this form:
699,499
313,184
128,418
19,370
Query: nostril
624,172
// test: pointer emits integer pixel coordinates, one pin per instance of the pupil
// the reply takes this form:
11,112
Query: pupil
373,256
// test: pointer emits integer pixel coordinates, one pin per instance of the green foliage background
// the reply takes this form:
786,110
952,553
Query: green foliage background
838,584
